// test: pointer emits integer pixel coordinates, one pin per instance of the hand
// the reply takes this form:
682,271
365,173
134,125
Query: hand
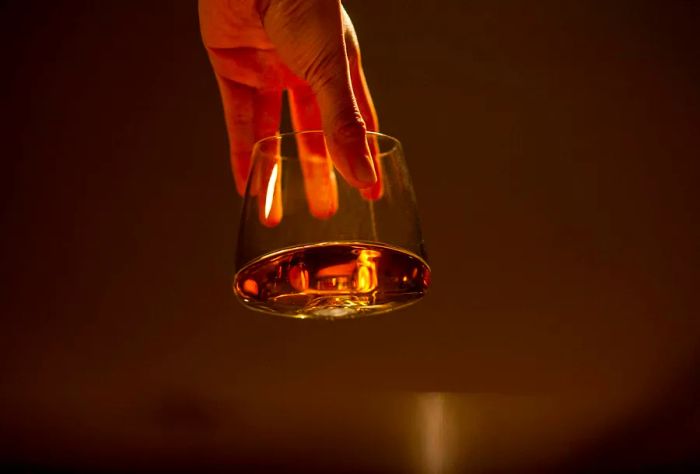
259,48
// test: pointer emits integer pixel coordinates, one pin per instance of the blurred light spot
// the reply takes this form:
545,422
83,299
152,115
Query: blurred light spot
250,287
432,415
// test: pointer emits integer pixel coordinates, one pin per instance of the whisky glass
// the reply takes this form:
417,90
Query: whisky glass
312,246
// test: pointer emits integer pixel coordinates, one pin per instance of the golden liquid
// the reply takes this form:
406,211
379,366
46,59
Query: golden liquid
333,280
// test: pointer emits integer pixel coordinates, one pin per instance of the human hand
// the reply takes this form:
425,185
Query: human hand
258,48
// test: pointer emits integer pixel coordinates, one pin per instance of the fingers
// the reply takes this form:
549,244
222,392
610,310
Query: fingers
238,102
308,35
267,107
319,177
345,131
364,103
366,106
267,113
251,115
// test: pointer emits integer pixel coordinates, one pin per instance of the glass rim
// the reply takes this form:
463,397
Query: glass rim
280,136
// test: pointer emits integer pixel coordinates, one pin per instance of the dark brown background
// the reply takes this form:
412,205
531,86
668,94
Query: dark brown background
554,151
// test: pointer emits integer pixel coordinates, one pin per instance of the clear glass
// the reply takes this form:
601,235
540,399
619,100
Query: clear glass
312,246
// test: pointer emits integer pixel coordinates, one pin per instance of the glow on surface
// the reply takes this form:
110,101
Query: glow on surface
432,407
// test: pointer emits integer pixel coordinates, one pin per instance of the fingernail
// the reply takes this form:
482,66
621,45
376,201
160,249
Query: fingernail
364,170
353,139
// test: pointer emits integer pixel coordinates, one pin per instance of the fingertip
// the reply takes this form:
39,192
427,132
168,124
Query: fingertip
240,162
323,205
363,169
240,177
376,190
373,192
323,213
271,221
320,184
350,142
240,187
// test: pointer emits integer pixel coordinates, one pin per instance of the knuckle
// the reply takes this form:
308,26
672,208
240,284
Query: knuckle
350,128
323,69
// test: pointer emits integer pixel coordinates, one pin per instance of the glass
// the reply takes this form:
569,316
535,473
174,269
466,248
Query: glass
312,246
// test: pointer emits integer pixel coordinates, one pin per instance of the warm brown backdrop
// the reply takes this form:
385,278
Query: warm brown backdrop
554,148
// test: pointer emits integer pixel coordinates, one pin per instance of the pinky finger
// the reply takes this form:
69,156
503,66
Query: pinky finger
238,105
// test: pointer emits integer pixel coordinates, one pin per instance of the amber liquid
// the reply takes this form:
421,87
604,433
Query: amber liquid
333,280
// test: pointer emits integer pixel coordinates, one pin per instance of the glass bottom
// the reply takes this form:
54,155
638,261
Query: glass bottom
333,280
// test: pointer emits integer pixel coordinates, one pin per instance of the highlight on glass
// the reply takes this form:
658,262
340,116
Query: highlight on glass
312,246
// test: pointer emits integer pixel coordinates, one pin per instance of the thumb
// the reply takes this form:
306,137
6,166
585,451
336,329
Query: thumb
309,38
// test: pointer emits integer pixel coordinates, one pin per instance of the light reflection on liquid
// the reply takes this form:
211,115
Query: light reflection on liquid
358,275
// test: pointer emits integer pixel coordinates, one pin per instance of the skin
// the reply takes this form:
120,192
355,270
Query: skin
258,48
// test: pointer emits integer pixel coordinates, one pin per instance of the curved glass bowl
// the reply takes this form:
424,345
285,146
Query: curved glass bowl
312,246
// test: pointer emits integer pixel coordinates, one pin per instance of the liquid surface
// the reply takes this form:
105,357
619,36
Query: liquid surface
333,280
